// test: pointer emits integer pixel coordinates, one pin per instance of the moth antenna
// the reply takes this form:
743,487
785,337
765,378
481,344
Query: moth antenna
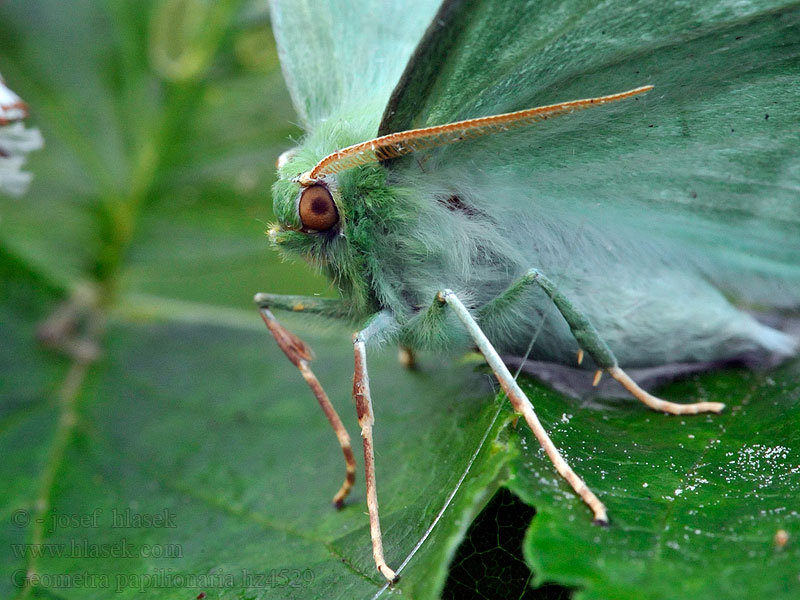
398,144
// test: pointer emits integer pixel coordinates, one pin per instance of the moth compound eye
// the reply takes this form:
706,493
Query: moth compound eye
317,210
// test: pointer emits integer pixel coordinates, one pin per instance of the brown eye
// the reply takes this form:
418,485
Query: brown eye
317,210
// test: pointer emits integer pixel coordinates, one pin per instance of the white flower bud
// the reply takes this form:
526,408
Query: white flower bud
15,142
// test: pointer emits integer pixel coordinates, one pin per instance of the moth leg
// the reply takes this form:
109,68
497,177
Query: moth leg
366,420
589,340
300,356
522,405
326,307
407,357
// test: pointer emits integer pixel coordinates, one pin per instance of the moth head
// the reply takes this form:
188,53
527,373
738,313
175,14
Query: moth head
317,207
309,214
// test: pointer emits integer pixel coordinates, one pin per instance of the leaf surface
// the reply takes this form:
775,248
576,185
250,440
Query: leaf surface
695,503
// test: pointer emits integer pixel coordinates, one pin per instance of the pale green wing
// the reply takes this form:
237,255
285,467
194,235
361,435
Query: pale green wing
343,57
709,161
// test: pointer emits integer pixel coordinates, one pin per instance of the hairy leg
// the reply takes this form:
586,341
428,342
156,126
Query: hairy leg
589,340
522,405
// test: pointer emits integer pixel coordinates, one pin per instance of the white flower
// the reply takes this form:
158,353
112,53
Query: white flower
15,142
12,108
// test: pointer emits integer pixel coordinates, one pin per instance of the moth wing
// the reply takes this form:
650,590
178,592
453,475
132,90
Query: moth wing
341,57
705,167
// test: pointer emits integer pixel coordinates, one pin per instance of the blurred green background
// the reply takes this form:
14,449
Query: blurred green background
162,123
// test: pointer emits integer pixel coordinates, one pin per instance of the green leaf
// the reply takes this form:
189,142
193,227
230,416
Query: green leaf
695,503
145,221
207,425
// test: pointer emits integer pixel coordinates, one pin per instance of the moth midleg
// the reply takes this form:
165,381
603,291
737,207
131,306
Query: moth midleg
300,356
407,357
589,340
522,405
366,420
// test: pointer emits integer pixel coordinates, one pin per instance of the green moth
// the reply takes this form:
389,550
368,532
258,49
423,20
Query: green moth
629,232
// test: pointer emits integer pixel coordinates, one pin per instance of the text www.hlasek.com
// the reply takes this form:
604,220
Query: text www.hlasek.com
83,548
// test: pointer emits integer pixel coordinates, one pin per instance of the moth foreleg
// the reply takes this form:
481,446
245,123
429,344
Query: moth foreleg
300,355
522,405
366,420
326,307
589,340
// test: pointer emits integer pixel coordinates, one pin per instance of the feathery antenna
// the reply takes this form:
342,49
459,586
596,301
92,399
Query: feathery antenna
398,144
